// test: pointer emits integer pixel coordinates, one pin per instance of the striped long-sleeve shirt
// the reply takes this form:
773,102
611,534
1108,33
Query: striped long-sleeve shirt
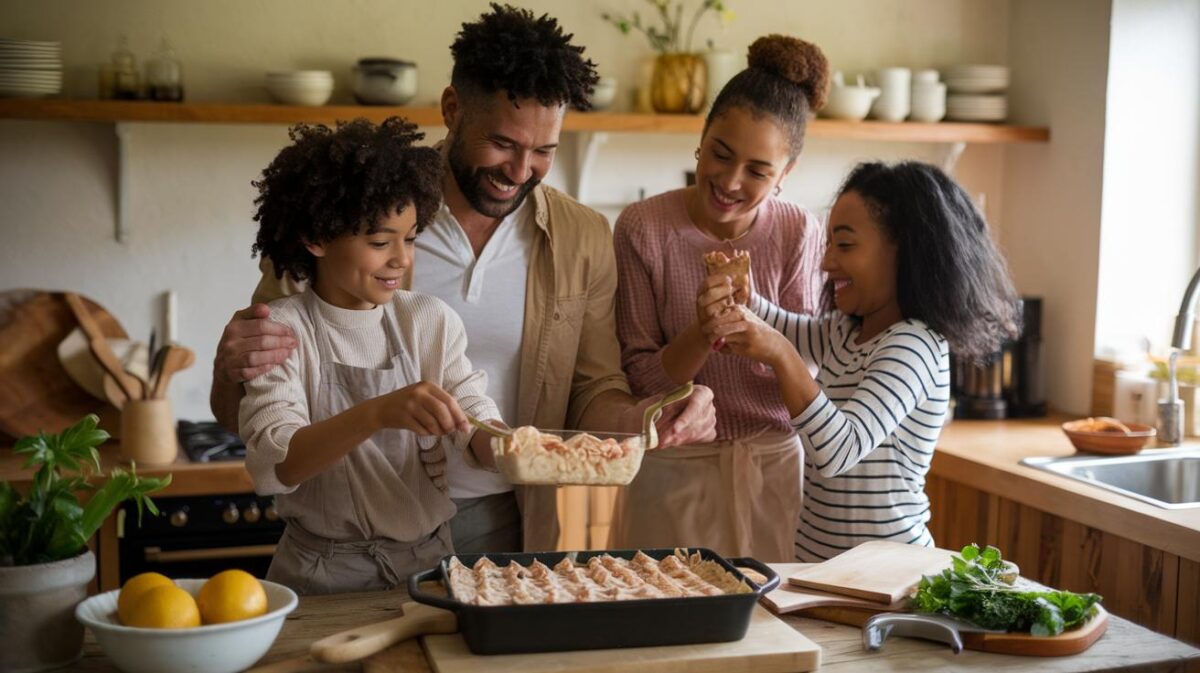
869,435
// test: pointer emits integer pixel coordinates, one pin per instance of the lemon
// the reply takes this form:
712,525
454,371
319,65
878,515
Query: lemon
134,587
164,607
231,596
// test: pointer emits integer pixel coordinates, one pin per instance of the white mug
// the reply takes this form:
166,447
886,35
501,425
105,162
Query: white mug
928,102
894,101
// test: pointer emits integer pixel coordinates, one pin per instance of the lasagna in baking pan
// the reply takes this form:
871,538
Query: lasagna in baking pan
531,456
601,578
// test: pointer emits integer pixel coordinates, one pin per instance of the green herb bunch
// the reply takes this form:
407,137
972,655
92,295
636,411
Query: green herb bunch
980,588
51,524
668,38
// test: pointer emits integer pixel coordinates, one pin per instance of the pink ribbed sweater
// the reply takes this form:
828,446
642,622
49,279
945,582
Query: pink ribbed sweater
660,266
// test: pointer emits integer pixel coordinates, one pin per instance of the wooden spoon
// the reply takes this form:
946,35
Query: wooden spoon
177,359
365,641
113,392
98,344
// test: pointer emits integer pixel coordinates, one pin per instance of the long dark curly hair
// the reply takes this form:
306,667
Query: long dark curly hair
333,182
786,78
510,50
949,273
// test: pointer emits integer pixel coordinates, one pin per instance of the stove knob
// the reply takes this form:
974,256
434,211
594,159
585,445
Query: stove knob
271,513
251,513
179,518
231,514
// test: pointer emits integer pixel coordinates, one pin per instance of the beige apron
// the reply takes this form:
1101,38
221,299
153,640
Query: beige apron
376,516
738,498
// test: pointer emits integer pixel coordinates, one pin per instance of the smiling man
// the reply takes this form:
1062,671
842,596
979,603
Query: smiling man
530,271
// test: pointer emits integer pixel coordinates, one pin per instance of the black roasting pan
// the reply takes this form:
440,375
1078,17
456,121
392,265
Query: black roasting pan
510,629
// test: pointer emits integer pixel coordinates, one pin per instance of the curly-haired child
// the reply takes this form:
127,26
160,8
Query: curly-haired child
913,273
350,433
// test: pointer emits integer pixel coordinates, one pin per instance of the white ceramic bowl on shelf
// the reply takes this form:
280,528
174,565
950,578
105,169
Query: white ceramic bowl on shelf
604,93
300,87
215,648
849,102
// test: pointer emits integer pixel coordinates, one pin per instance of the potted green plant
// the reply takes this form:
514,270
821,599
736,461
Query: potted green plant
680,74
45,565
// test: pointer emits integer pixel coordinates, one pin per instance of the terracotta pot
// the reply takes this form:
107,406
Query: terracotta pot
37,613
678,83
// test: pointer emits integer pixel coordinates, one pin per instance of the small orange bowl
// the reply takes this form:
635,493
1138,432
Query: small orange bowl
1109,442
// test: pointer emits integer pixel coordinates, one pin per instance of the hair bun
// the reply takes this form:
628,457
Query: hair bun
801,63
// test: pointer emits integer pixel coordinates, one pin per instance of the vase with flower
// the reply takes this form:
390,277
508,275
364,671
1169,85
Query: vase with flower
680,75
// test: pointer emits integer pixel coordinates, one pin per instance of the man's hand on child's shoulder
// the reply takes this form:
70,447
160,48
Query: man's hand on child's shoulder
252,345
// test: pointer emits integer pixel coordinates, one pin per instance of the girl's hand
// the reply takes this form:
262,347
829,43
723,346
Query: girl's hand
422,408
747,335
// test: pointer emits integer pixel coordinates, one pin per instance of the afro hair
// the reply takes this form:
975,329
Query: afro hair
330,183
510,50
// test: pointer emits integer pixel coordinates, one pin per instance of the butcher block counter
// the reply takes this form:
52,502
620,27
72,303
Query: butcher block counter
1124,647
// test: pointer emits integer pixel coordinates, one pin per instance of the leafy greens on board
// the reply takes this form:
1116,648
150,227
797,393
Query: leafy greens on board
978,587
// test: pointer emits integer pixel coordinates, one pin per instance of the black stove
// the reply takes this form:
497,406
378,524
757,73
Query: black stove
208,441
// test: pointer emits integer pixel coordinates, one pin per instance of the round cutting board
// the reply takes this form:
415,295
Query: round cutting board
36,393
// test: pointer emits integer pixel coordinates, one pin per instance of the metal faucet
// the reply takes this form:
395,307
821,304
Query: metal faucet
1170,410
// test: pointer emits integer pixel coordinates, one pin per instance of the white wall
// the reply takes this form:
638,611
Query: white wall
190,194
1151,170
1051,233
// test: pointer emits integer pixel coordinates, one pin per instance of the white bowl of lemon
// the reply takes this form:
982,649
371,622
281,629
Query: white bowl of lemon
219,625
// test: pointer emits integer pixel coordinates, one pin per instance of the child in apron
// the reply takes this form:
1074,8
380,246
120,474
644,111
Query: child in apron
913,274
351,433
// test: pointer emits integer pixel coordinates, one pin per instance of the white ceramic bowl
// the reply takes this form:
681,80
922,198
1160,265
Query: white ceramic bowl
604,93
300,93
849,102
217,648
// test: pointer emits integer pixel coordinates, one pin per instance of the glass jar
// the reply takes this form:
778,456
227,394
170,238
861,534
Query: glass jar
164,75
126,81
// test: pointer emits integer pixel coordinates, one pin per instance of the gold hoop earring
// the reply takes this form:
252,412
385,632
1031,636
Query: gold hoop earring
697,154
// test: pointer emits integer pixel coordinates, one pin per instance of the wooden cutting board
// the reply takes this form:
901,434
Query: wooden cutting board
770,646
36,393
790,598
883,572
856,611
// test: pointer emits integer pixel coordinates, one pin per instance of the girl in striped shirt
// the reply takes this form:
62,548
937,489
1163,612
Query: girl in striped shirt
912,274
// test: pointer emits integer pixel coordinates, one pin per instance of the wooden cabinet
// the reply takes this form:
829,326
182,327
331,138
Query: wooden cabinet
1156,589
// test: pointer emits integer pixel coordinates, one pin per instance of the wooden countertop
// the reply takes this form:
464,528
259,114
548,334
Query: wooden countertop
1125,646
986,455
188,478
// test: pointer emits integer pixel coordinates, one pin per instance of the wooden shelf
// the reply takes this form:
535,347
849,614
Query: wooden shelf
594,122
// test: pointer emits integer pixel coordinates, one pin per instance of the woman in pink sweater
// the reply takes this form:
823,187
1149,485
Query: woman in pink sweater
739,495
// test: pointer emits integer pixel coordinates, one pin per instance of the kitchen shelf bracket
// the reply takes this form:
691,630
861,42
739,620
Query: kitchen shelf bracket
951,155
120,226
587,146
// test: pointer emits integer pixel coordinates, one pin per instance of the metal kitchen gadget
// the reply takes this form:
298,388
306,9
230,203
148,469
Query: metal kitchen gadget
925,626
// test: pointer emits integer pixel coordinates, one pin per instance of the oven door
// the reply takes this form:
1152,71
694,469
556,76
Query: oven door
199,537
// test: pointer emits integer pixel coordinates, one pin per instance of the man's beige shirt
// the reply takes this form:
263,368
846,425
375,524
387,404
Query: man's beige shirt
569,349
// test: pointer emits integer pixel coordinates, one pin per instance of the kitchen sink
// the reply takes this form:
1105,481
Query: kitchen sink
1167,478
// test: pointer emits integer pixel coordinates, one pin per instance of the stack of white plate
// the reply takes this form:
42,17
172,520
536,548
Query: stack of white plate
976,92
29,68
976,107
300,87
